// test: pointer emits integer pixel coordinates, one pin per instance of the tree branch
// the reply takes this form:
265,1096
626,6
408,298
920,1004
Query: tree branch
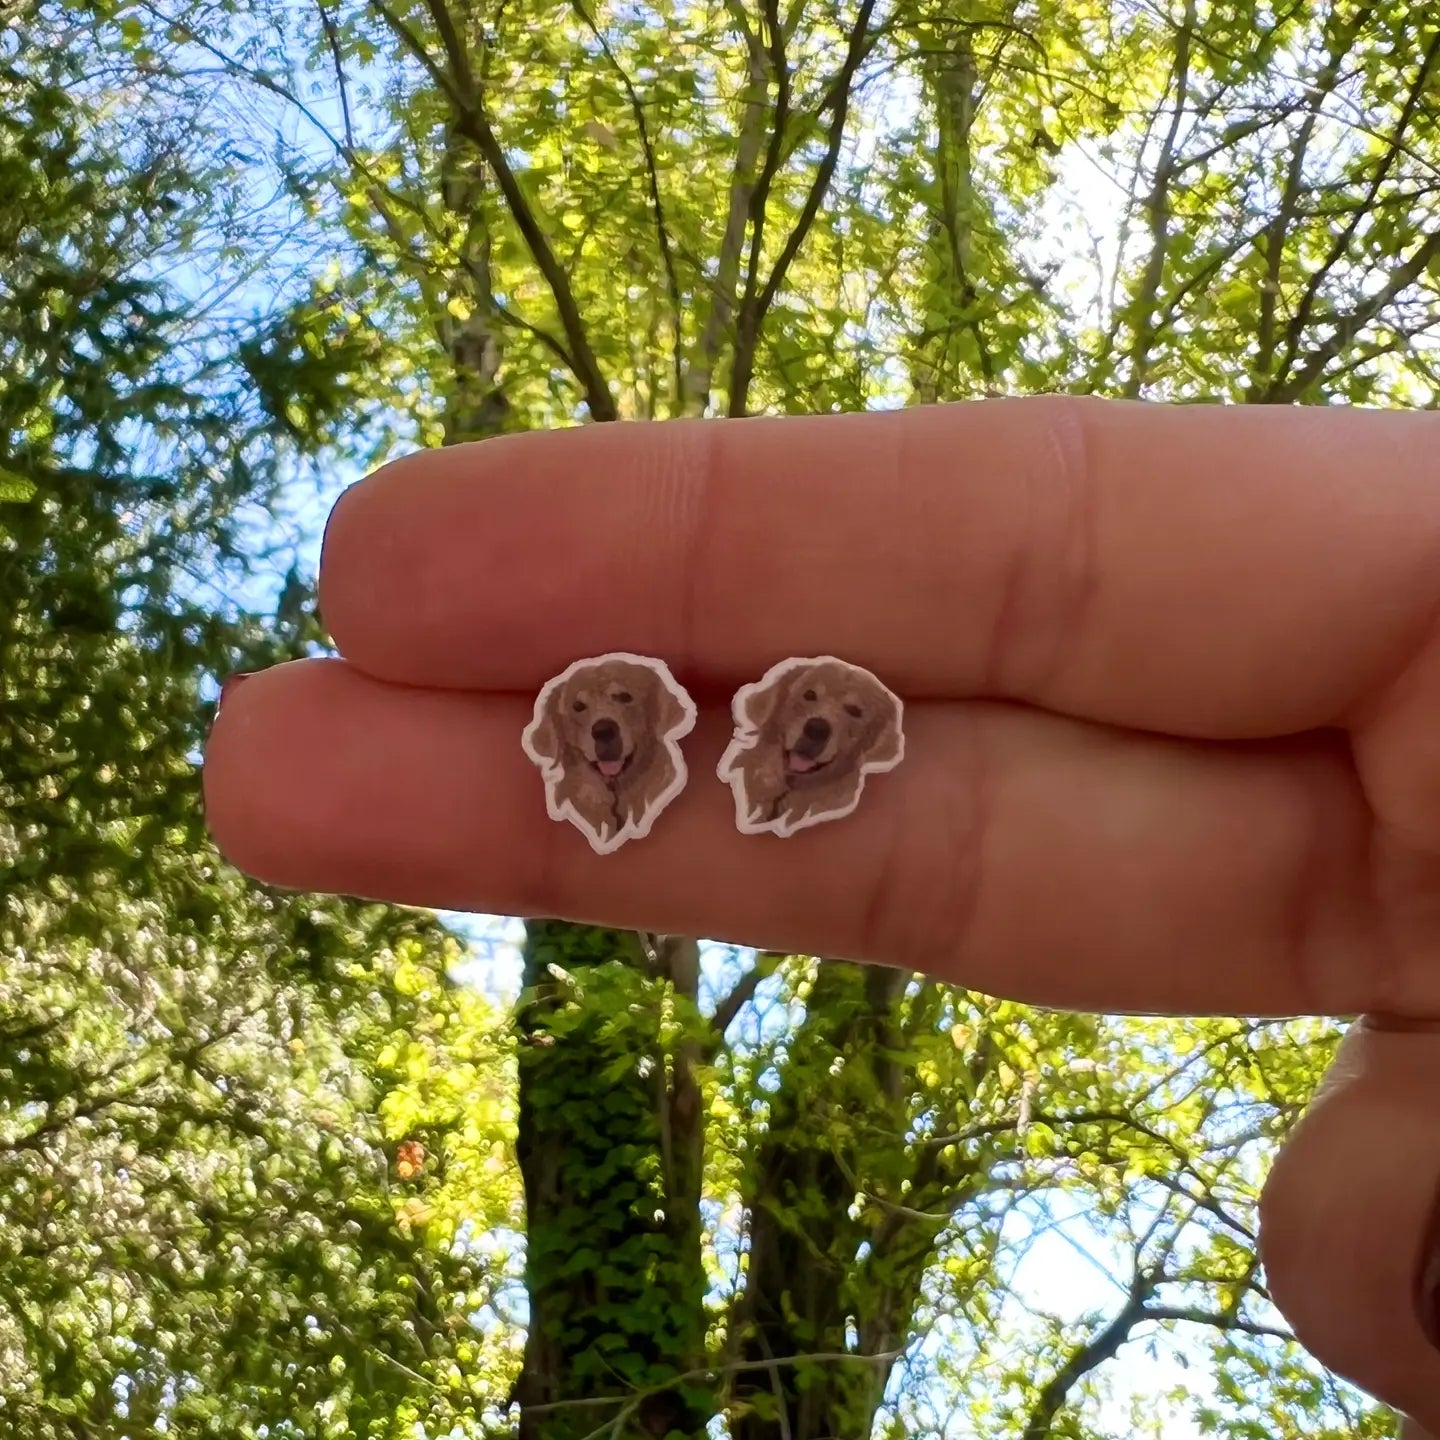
1201,276
652,174
470,121
1158,206
1347,327
509,317
1339,248
1090,1356
1101,366
380,196
332,40
585,364
455,50
1139,1309
1279,226
418,49
1216,1319
1241,130
956,83
754,307
727,270
748,325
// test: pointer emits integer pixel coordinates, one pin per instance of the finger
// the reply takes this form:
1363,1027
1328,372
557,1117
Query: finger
1014,851
1204,570
1348,1213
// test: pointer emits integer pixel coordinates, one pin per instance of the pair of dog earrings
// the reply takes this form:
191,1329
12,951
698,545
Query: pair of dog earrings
606,737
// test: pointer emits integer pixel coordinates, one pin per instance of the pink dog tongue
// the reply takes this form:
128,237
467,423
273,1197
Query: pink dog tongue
801,763
610,768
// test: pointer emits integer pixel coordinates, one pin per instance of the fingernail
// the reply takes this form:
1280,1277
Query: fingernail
230,684
1427,1292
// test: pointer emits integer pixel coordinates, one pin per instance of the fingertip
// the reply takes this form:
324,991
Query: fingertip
350,545
1346,1213
398,545
492,564
234,784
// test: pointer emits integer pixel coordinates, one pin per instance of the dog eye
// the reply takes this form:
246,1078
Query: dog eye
578,706
853,710
624,697
810,696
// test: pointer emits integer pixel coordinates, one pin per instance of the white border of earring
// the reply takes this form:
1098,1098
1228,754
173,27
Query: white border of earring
553,768
749,732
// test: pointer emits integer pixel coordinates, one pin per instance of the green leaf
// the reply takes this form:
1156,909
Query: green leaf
15,489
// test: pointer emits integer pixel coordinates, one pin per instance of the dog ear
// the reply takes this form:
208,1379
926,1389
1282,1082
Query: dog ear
887,744
761,704
544,731
665,707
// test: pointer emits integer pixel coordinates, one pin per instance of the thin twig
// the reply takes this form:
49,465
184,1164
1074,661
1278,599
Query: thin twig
652,172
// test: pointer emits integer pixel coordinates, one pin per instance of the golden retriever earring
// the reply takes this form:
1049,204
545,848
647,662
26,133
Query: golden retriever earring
807,733
606,737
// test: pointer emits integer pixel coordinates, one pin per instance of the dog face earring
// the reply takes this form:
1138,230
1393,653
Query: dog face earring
807,733
606,737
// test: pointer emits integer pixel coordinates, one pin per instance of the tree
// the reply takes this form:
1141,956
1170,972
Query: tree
526,217
218,1206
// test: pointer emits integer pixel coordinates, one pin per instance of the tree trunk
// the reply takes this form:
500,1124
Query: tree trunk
719,306
954,340
475,405
613,1260
817,1327
611,1129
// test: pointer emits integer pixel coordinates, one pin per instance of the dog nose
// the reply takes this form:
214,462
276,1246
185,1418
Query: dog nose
817,730
604,731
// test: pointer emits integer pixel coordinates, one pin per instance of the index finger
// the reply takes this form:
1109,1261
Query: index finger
1203,570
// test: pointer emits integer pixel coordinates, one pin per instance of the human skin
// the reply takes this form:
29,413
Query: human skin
1172,689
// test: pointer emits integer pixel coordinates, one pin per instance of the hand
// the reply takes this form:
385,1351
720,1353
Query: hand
1173,720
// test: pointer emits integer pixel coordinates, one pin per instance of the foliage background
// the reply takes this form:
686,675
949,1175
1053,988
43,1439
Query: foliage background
276,1165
